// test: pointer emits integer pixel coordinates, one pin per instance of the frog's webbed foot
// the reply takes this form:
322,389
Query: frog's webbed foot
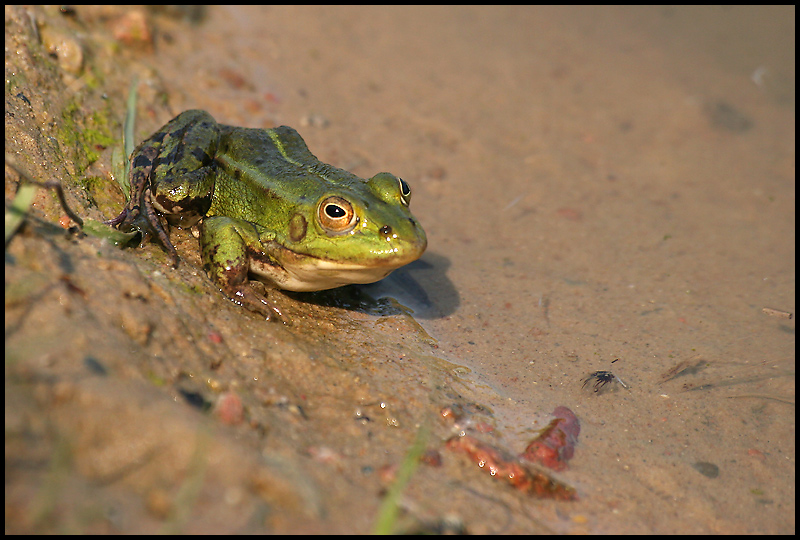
139,214
245,296
143,218
153,225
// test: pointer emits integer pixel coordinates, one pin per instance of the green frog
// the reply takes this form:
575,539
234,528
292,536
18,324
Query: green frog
265,205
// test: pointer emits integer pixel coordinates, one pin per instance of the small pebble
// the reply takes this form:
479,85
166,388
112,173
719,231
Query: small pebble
314,120
706,469
230,409
726,117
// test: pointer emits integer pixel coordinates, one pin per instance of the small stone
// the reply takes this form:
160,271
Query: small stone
230,409
706,469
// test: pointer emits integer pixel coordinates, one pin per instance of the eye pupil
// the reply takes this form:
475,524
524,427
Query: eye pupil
404,189
335,211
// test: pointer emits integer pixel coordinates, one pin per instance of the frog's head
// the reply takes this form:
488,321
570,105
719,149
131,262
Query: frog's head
356,232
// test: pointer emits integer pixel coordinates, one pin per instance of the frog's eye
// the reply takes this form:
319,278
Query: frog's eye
390,188
336,215
405,191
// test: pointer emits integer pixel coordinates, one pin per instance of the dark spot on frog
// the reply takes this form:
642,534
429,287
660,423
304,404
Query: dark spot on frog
706,469
386,230
208,252
144,159
208,125
157,137
297,228
201,155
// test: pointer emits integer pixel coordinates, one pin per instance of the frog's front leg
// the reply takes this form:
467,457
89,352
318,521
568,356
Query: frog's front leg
225,244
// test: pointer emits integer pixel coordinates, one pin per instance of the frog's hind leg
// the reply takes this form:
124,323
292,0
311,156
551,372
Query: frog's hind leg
139,213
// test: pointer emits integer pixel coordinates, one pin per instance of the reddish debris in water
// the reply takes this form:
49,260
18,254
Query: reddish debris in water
483,427
230,409
555,445
507,467
458,412
431,457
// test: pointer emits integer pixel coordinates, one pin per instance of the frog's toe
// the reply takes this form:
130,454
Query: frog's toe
114,222
246,297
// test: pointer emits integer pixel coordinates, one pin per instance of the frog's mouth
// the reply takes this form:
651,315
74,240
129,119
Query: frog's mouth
304,273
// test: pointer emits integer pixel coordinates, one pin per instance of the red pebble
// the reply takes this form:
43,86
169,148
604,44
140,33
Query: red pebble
555,445
230,409
431,457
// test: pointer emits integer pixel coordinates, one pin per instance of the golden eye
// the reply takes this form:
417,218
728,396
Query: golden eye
336,215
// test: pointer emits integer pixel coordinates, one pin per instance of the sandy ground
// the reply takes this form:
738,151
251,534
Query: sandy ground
598,185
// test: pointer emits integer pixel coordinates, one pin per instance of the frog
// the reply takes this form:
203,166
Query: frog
264,207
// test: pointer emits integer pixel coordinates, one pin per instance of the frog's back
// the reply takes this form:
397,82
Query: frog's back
279,154
271,168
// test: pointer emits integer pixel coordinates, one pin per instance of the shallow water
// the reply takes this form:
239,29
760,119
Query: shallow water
598,185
